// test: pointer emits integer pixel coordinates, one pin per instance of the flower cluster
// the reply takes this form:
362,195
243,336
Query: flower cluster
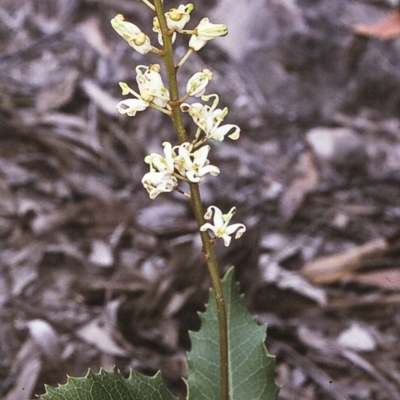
151,91
209,119
188,161
178,162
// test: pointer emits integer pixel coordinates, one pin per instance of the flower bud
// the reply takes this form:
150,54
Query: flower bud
204,32
177,18
132,34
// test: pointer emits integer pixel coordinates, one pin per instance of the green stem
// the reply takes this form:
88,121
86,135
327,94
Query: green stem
213,270
168,59
208,247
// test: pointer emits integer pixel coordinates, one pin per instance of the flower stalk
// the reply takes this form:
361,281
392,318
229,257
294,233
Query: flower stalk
212,265
208,247
168,60
188,161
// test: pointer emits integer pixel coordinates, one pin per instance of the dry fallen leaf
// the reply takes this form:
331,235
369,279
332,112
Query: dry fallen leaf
386,278
59,91
27,367
334,267
98,335
386,29
91,30
305,181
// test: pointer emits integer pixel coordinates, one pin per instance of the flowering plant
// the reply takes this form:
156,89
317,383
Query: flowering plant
228,359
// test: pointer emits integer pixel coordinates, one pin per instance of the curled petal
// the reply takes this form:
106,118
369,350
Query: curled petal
218,216
226,238
209,169
194,177
222,131
197,176
131,106
208,226
238,228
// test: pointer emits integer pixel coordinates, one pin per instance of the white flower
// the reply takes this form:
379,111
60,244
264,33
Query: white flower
190,165
177,18
220,227
204,32
159,182
197,84
132,34
151,86
209,119
193,165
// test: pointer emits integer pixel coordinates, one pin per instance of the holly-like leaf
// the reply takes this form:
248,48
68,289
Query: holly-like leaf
251,368
111,386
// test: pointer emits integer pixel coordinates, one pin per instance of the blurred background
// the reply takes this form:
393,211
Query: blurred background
95,274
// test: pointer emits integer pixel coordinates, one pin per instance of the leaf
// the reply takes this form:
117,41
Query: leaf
386,29
305,181
251,368
111,386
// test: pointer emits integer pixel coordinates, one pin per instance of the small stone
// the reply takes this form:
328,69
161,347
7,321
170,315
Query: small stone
357,338
341,147
101,254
